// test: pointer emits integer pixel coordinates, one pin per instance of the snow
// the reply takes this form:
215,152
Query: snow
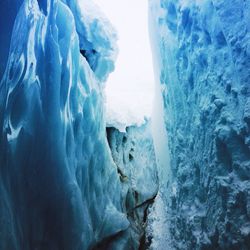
157,225
120,114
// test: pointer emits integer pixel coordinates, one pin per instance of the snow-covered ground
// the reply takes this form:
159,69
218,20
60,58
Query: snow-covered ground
157,229
128,108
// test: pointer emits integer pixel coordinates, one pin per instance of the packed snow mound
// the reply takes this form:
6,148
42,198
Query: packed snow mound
57,174
128,108
203,60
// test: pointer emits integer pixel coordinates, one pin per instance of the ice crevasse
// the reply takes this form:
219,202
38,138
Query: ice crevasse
57,176
60,187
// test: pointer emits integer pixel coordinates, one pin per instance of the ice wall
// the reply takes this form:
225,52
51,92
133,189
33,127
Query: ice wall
203,66
134,156
8,12
59,186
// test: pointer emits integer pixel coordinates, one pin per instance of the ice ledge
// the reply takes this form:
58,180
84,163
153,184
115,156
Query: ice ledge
127,108
97,36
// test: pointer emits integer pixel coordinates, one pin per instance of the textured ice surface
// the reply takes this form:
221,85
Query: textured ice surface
133,153
203,66
97,37
59,186
157,220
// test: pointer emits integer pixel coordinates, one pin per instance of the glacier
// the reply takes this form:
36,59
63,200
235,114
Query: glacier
202,67
80,171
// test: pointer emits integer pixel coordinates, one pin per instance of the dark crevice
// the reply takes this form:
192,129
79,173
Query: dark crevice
130,156
149,201
124,139
122,176
91,57
43,6
108,135
145,240
106,242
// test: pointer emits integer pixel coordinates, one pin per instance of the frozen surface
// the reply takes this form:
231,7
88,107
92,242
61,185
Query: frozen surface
97,37
59,186
203,69
156,229
127,108
134,156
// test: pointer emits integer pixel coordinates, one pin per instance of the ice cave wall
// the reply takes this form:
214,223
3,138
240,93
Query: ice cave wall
202,54
8,12
134,155
57,176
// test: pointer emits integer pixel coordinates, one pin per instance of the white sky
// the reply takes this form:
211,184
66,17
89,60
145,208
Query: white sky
134,70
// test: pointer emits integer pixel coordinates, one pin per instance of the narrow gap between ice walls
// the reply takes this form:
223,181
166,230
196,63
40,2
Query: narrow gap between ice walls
75,177
129,98
61,188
